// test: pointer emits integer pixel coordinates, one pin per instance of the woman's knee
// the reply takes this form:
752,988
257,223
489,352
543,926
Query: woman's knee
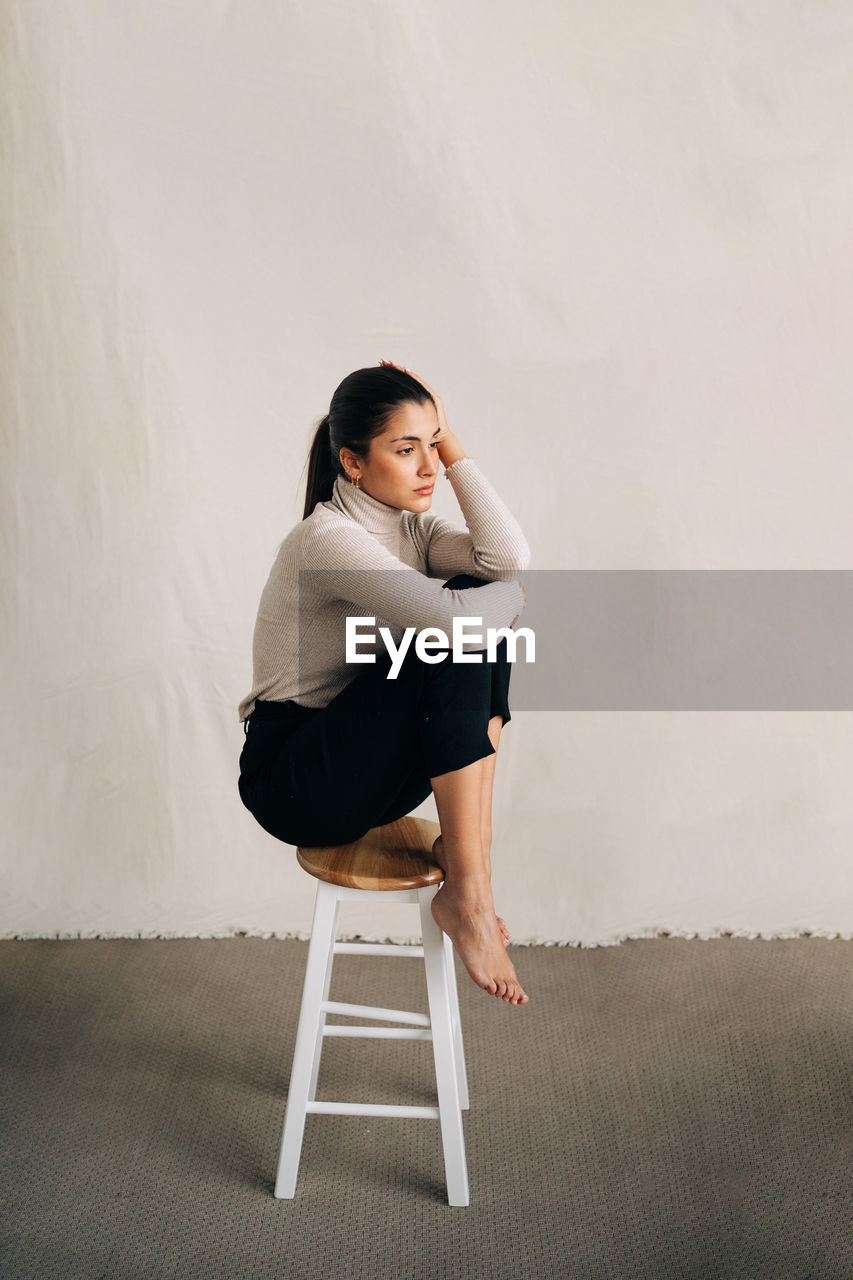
462,580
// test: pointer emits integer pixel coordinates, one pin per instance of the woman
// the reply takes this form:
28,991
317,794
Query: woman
334,747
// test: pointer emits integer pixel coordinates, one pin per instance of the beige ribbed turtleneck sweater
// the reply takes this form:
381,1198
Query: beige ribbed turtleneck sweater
356,556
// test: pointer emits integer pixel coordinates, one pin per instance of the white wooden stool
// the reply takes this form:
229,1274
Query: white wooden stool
389,863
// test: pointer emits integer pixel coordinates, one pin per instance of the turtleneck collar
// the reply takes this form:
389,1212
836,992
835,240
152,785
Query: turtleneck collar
375,516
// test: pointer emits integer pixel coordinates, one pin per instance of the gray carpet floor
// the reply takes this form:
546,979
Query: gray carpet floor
667,1107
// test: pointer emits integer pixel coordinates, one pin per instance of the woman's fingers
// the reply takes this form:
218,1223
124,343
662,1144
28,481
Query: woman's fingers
394,365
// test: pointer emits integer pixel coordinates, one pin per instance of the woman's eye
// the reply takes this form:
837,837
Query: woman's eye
408,449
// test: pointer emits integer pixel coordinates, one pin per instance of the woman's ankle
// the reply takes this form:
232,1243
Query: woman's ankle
468,891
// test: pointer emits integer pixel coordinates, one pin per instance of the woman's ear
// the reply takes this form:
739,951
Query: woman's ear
350,462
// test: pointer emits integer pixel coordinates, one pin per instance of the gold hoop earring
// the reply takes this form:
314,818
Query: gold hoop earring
355,481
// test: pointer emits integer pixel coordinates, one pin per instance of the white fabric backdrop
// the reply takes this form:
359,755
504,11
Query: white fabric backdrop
617,240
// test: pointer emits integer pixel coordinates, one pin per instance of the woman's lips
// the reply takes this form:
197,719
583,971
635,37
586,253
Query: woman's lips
426,489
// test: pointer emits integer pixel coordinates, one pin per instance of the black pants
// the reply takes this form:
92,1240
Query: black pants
326,775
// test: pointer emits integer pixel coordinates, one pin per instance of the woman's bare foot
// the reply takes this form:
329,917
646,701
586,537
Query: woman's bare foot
470,923
437,853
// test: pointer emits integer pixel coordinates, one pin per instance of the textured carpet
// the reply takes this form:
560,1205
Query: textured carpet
661,1108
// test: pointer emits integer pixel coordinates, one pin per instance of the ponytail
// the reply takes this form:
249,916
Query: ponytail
321,469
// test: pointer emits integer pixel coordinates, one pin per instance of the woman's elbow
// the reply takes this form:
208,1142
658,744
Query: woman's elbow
521,557
524,556
510,564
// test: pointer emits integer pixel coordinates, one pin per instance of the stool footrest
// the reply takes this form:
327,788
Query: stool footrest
378,949
368,1011
381,1033
372,1109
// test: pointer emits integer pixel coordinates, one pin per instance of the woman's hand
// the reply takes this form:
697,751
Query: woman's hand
449,448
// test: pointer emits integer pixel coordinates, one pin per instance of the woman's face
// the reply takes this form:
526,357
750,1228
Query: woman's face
402,465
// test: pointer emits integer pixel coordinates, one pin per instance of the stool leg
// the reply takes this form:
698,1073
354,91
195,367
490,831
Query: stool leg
456,1023
322,943
321,1022
446,1079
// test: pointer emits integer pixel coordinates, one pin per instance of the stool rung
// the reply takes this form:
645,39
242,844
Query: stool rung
367,1011
383,1033
372,1109
378,949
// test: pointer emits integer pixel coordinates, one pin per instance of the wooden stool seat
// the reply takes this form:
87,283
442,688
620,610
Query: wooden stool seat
396,856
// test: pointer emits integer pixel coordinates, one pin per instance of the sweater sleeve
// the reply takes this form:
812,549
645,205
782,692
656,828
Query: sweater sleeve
493,545
346,562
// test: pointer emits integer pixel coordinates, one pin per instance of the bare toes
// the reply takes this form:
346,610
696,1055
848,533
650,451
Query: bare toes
477,938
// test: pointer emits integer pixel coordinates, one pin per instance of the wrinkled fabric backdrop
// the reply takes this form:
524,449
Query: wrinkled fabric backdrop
615,238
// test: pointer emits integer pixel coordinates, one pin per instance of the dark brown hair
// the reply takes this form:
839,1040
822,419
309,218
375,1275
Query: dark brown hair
360,409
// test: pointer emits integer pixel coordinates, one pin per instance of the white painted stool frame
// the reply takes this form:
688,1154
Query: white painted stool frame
442,1026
